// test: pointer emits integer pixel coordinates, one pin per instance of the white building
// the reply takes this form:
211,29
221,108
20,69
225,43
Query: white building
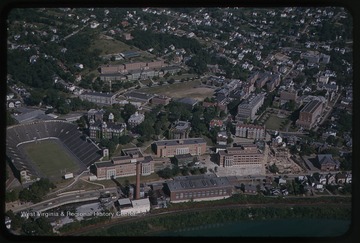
134,207
136,119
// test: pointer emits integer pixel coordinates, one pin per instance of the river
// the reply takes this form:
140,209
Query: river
267,228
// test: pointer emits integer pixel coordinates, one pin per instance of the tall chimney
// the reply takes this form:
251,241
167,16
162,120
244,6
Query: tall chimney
138,171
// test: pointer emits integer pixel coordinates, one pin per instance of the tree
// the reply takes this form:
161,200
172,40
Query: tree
35,192
330,139
125,139
346,162
128,110
233,105
63,108
171,81
11,196
165,173
36,96
146,129
291,105
44,226
16,219
273,168
110,144
9,120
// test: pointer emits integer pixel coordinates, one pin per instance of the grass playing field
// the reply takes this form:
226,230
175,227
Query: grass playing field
50,158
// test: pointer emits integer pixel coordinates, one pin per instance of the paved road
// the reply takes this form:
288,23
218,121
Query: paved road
65,198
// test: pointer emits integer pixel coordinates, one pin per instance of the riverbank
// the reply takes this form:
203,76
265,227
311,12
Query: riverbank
183,223
266,228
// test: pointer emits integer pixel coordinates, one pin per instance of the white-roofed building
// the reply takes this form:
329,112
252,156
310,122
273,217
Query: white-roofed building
131,208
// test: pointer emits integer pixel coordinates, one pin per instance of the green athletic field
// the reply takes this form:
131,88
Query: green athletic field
50,158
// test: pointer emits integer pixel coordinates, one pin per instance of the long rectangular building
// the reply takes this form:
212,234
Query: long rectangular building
246,157
169,148
250,131
198,188
99,98
247,110
124,165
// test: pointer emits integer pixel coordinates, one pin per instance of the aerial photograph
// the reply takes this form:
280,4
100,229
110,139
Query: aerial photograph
179,122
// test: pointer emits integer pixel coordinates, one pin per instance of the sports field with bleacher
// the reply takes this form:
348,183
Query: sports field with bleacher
50,158
73,151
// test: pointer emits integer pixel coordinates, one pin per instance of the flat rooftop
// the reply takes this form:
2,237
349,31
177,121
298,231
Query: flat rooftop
180,141
311,106
198,183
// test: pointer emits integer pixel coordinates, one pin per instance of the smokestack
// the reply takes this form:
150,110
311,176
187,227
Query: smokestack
137,190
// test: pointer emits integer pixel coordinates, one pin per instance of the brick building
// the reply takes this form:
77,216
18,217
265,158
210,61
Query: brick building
327,163
198,188
246,157
99,129
286,96
169,148
309,114
160,100
124,165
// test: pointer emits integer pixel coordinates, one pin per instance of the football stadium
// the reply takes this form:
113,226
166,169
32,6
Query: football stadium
49,149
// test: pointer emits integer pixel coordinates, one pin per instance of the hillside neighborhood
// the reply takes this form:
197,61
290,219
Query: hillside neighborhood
158,106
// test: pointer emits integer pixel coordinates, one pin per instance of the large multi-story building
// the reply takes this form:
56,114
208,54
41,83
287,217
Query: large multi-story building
247,158
287,95
169,148
96,115
132,70
102,129
126,67
99,129
250,131
248,109
99,98
198,188
124,165
309,114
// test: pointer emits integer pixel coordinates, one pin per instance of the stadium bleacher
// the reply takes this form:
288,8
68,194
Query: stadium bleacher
86,152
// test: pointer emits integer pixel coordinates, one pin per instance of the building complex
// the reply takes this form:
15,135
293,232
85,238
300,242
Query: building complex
124,165
169,148
309,114
198,188
248,109
246,157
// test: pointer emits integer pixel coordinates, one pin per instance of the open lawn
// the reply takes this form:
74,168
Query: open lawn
275,123
190,89
109,45
50,158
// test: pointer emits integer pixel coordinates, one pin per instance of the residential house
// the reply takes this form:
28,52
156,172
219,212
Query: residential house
327,163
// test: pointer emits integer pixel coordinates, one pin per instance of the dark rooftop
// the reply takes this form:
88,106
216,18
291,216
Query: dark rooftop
311,106
190,182
178,141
